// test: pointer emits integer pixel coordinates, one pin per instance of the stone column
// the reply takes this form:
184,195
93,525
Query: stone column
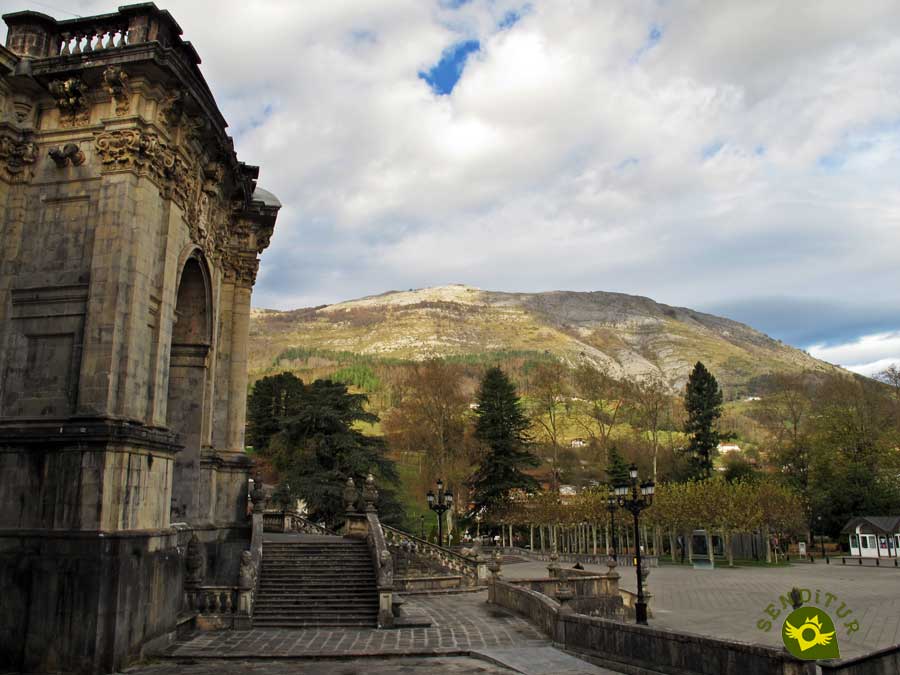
237,399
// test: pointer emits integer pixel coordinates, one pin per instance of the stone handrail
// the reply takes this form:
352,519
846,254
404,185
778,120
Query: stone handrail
384,569
473,570
630,647
625,559
885,660
291,521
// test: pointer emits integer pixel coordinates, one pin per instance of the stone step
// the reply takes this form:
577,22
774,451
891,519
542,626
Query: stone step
301,564
322,612
282,623
365,578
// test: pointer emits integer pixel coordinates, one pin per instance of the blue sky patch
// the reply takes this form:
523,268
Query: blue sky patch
444,75
511,18
711,150
654,35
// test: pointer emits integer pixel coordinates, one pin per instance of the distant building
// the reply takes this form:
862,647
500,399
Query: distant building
725,448
578,443
874,536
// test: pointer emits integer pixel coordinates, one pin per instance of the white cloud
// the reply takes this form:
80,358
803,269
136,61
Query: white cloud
868,355
752,151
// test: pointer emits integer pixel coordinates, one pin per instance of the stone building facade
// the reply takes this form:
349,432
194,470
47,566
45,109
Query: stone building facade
130,241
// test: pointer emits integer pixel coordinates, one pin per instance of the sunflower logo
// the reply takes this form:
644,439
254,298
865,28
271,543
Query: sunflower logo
809,633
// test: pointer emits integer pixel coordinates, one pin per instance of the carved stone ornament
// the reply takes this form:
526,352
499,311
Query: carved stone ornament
71,99
146,154
171,110
247,573
258,495
194,562
15,158
70,152
350,496
370,493
115,81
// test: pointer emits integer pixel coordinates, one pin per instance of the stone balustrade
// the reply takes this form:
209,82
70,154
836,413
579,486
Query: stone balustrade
93,38
40,36
628,647
291,521
212,599
473,570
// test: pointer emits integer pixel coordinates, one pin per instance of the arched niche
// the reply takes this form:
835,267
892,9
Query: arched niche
188,372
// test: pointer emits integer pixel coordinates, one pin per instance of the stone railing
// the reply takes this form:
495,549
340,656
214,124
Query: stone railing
93,37
629,647
625,559
473,570
40,36
291,521
384,569
881,662
215,606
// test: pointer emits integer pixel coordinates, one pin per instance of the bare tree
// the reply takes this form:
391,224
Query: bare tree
550,389
652,406
604,395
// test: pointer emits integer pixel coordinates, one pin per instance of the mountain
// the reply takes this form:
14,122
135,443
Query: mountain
630,335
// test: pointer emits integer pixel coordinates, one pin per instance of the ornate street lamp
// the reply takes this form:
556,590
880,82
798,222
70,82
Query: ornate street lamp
611,506
440,503
640,498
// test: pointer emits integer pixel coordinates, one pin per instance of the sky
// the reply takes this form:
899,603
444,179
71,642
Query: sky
734,157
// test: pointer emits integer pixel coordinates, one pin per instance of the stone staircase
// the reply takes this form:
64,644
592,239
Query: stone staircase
316,580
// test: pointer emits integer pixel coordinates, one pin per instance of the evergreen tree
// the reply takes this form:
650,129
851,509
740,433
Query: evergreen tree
502,428
703,402
616,468
316,447
272,399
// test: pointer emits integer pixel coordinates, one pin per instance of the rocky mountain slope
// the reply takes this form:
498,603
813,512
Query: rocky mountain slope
632,336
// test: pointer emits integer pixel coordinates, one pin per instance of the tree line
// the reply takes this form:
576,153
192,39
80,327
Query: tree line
830,440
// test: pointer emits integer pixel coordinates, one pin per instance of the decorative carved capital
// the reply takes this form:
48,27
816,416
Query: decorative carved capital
16,156
115,81
71,99
171,110
70,152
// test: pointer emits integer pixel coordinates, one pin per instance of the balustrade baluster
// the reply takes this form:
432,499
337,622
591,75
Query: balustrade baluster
77,47
64,47
87,45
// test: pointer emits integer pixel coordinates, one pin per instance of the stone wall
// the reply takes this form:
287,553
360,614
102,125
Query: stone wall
882,662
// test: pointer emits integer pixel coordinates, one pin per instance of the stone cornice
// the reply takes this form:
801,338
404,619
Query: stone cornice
81,432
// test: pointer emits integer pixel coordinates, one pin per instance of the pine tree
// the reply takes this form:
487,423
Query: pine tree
616,468
703,402
502,428
313,445
272,399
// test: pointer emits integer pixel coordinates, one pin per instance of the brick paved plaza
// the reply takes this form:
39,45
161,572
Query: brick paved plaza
728,603
469,636
463,626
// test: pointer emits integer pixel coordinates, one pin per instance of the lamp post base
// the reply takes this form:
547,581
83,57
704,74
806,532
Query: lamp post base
640,613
